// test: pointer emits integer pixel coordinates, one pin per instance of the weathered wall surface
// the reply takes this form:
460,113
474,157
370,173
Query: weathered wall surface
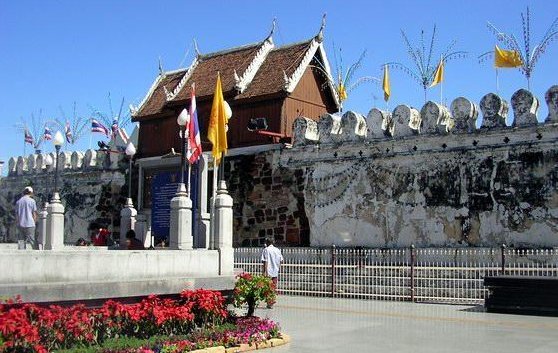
390,179
435,180
483,196
92,189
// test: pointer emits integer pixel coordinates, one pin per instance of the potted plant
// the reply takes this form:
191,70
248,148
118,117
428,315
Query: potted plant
252,289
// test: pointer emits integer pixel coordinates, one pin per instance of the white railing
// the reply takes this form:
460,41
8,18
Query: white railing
423,275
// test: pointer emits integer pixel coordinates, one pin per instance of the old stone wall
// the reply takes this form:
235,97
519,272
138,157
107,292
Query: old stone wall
427,177
431,178
268,200
92,188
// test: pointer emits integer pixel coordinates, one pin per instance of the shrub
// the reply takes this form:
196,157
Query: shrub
251,289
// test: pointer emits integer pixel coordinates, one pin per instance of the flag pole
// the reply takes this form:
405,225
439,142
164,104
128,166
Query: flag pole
211,244
497,82
187,164
90,135
442,81
442,92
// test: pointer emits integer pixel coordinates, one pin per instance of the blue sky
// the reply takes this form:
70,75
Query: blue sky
53,53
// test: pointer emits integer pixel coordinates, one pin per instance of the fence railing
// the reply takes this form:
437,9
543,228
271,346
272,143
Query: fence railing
444,275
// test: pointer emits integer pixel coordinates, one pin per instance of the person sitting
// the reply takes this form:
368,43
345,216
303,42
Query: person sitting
99,235
81,242
132,243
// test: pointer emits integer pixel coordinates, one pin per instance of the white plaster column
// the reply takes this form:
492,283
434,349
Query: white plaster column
54,239
181,221
141,229
204,218
127,220
224,229
42,227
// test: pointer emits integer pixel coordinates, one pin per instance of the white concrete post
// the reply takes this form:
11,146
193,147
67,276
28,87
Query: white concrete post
42,227
181,221
55,224
204,218
224,229
205,230
141,229
127,220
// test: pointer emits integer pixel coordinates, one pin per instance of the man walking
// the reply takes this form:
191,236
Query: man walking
271,258
26,216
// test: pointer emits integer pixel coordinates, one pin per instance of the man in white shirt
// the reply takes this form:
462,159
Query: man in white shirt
271,258
26,216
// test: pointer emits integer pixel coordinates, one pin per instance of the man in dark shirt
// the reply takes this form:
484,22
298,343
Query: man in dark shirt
132,243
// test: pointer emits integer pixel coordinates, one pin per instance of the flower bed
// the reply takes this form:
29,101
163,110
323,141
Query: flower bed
197,320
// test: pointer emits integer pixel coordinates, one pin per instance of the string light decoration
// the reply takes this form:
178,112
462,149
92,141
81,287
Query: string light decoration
425,59
529,58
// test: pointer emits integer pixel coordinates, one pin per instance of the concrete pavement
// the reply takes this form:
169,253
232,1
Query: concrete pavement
345,325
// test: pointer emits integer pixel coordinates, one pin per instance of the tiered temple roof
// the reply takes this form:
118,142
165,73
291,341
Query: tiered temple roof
247,72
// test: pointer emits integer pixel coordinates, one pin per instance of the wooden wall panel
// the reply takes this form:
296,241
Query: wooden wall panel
158,136
311,98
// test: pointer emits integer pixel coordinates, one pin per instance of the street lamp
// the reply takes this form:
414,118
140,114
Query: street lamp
182,120
48,162
58,141
130,152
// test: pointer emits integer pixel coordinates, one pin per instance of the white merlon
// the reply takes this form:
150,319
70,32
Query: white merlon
551,98
329,128
77,160
465,115
525,106
432,119
494,111
353,127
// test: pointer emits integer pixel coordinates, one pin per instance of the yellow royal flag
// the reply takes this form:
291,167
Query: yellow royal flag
385,84
342,92
217,131
506,58
439,74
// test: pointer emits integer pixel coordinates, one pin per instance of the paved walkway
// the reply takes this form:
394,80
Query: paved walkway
344,325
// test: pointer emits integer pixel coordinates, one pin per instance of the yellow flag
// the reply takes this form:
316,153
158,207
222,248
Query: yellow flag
385,84
342,92
217,133
439,74
506,58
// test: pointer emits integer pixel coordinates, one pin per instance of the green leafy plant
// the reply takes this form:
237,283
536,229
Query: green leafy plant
252,289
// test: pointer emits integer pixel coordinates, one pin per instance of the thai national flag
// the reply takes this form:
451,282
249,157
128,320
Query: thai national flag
98,127
68,132
28,137
47,135
194,140
123,135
